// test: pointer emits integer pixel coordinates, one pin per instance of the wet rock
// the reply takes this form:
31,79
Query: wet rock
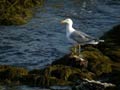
98,62
36,71
92,86
11,75
95,61
18,13
9,72
73,61
111,46
43,81
68,73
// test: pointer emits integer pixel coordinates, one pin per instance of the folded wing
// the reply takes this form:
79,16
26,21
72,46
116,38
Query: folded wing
81,37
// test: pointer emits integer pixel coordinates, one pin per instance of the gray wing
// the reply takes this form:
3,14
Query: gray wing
81,37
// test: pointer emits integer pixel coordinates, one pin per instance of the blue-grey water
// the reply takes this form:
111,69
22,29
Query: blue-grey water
42,40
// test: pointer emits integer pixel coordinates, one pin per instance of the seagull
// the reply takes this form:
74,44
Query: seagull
78,37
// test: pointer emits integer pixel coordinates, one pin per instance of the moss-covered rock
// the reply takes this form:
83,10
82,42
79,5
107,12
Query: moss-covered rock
73,61
43,81
61,71
98,63
56,75
8,72
11,75
17,11
51,81
65,72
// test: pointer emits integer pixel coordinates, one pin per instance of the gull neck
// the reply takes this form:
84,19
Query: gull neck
69,28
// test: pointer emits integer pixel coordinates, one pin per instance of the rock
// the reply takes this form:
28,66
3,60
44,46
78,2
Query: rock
17,13
111,46
67,72
98,62
93,85
43,81
95,61
73,61
9,74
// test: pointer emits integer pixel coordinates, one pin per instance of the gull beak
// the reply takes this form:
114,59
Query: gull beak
63,21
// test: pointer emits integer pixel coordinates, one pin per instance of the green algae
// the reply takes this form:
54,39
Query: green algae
17,12
97,62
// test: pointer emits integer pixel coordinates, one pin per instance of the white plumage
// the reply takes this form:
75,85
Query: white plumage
78,36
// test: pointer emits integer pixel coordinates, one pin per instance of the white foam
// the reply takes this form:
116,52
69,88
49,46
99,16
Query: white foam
101,83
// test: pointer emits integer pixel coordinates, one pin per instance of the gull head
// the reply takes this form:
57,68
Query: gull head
67,21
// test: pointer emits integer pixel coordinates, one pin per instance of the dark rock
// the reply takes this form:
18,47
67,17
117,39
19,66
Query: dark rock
98,62
111,46
12,73
37,71
67,72
72,61
95,61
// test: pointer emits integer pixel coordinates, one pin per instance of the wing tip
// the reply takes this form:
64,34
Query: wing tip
101,40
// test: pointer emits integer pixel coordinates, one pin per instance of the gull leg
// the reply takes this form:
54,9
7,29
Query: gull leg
77,52
80,55
73,50
79,49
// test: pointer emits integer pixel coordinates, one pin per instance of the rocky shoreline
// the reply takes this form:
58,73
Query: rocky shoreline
102,62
